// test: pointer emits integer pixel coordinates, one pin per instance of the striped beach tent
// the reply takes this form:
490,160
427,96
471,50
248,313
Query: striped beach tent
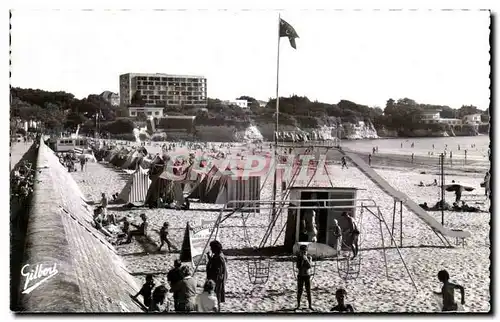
136,188
240,188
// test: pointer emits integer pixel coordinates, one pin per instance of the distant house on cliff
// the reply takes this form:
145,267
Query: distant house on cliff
432,116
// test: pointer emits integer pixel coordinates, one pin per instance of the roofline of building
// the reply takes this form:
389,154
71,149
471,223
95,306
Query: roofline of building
164,75
146,107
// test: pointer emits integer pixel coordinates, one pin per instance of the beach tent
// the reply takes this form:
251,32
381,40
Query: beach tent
224,186
165,183
136,188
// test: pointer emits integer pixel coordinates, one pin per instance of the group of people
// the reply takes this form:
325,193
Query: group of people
22,180
183,286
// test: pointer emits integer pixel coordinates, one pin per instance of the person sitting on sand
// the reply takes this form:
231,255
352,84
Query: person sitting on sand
157,299
207,301
424,206
217,270
435,183
125,228
304,264
448,292
340,295
421,184
164,238
354,233
140,231
146,290
456,207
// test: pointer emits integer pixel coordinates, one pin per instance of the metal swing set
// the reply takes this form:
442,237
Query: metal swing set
259,267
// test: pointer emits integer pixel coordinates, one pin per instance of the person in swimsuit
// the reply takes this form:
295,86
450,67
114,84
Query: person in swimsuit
337,234
304,264
448,292
340,295
354,233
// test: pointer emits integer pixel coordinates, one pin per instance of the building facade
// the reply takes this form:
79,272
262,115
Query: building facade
431,116
149,111
111,98
472,119
243,104
164,90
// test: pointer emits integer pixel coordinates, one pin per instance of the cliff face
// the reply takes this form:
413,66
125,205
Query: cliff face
266,132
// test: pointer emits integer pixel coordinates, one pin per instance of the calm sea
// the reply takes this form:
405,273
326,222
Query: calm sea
422,146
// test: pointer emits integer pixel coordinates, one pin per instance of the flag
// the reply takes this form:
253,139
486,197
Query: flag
286,30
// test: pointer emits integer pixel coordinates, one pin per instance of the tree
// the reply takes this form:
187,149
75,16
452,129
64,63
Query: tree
141,116
137,99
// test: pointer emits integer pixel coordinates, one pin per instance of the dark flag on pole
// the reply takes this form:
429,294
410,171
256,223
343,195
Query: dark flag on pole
286,30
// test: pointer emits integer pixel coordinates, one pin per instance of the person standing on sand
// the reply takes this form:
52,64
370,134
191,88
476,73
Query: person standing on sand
217,270
337,235
186,291
304,264
173,277
354,233
370,160
412,157
309,223
82,162
146,290
448,292
340,295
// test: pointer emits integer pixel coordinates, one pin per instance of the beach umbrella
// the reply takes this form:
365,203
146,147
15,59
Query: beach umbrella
454,187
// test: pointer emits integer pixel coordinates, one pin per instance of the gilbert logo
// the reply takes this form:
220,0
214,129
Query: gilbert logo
36,276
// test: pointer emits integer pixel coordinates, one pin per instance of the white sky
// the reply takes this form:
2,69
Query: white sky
367,57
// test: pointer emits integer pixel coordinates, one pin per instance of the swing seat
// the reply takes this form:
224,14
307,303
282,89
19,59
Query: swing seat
347,268
258,270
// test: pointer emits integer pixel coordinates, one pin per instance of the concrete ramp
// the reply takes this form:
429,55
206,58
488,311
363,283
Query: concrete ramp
399,196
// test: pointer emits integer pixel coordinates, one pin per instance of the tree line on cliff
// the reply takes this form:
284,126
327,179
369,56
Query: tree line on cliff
61,111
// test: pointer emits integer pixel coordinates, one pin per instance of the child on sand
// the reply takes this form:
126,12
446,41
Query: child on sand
146,290
448,292
304,264
164,238
207,301
340,295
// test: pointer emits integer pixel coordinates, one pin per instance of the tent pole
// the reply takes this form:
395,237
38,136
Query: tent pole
393,218
401,224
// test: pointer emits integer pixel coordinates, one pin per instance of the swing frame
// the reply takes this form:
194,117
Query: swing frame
247,205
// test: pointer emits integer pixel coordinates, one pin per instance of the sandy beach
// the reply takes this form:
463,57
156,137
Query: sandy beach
371,291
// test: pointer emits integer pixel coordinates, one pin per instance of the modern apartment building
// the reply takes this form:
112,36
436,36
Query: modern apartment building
163,90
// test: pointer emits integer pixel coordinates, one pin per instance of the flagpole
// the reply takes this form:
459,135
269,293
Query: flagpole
277,120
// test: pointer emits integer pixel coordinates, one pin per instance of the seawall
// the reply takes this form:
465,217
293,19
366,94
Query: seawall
87,274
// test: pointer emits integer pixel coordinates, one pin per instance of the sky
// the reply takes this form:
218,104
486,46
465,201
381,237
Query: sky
433,57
